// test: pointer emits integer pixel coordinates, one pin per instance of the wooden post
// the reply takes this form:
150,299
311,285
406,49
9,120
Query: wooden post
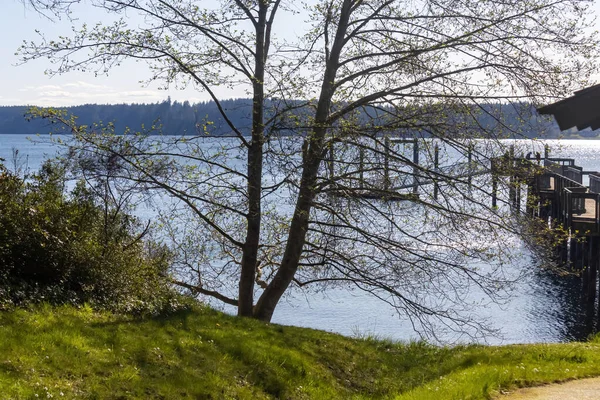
529,201
569,250
592,266
595,256
585,271
494,183
576,254
436,167
386,164
583,259
572,250
361,165
556,201
579,254
470,161
512,193
331,163
543,210
546,151
517,195
415,166
589,295
563,251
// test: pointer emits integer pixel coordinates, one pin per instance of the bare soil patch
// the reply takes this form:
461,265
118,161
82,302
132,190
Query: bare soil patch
583,389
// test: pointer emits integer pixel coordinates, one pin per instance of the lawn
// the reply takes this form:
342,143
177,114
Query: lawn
69,352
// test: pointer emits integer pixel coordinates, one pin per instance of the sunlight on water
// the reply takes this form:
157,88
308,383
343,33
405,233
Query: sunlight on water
542,307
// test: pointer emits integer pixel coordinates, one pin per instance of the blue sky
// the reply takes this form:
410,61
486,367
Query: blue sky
28,85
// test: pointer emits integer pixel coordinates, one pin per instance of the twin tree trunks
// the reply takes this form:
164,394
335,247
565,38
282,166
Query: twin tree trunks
383,59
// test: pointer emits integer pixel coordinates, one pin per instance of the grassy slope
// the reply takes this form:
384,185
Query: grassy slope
70,353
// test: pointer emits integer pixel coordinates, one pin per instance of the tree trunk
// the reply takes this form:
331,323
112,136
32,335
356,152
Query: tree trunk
297,235
295,242
255,162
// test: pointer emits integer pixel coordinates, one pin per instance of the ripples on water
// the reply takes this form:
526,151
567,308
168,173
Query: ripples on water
543,308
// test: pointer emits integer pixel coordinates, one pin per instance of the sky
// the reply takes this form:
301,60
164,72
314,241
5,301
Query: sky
27,84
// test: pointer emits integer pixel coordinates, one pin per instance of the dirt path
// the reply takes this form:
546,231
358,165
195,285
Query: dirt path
584,389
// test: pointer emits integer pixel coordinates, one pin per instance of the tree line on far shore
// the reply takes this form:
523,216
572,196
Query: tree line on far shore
184,118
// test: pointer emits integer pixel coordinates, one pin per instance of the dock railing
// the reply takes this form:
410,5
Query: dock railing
573,172
559,160
575,204
594,182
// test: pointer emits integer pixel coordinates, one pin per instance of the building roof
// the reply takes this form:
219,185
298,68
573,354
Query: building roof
581,110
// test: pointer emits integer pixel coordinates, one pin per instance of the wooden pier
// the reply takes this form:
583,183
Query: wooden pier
566,199
555,191
548,188
556,194
372,172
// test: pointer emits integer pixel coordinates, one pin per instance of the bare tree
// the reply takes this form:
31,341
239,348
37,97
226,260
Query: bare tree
301,193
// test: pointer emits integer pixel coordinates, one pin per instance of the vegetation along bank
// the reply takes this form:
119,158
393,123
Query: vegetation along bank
198,353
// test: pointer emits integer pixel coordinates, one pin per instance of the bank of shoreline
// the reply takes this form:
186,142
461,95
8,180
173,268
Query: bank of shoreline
71,352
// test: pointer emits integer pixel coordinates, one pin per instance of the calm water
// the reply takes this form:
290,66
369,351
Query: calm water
543,308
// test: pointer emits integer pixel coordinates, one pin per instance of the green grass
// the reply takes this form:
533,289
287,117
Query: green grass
202,354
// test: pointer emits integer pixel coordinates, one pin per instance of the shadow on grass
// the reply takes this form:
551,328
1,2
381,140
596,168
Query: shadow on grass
202,353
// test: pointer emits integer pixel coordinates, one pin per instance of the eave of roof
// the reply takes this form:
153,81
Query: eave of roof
581,110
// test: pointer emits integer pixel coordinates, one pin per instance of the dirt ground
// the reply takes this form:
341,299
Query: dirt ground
584,389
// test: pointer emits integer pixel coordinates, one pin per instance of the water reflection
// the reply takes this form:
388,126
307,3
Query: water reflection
570,313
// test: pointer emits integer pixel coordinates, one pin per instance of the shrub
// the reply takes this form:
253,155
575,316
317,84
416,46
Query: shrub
71,247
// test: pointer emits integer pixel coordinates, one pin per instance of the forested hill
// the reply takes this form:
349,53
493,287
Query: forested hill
176,118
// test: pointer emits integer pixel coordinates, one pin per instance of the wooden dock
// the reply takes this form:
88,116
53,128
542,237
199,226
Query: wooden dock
565,199
553,187
559,196
375,178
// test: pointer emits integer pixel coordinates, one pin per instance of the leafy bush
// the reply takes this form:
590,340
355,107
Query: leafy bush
61,247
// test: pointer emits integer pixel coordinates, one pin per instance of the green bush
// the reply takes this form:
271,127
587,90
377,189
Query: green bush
59,247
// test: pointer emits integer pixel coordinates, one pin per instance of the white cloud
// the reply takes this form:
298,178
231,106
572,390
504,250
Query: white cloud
9,101
142,93
86,85
54,93
76,92
40,88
